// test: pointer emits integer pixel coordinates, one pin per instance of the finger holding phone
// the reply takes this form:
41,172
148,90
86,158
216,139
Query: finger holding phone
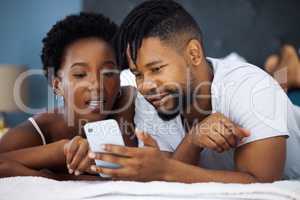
77,160
138,164
101,133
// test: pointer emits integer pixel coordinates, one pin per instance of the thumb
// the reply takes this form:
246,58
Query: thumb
146,139
241,132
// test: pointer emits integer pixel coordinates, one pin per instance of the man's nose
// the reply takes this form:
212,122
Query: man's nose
147,87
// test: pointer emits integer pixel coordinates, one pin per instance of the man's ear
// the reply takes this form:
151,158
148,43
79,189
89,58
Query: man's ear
57,86
194,52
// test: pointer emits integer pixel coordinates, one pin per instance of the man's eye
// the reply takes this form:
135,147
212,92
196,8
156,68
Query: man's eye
138,75
156,69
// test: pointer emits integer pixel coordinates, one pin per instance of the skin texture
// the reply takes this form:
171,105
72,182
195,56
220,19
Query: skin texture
83,76
159,64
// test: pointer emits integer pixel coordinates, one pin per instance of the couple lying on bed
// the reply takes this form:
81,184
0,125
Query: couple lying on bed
215,120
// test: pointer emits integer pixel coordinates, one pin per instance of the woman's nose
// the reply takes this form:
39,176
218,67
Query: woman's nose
94,82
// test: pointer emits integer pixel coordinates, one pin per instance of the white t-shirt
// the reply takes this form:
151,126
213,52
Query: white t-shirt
249,97
147,119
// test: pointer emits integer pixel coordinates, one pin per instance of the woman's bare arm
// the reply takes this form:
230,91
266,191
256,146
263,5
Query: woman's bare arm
50,156
23,144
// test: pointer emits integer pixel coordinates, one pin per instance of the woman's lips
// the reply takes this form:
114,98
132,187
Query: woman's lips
95,105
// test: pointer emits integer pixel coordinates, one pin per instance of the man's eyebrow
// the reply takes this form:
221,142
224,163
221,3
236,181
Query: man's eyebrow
153,63
83,64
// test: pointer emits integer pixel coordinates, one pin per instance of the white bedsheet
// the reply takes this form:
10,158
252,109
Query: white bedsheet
31,188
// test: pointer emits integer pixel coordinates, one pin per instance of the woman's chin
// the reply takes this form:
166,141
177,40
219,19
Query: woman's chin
91,117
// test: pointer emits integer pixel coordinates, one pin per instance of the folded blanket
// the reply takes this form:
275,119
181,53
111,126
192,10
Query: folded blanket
32,188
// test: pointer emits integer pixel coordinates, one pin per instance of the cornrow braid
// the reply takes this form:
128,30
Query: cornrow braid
164,19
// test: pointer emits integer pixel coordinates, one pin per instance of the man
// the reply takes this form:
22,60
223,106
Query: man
163,46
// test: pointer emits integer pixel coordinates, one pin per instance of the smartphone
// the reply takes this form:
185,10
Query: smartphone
103,132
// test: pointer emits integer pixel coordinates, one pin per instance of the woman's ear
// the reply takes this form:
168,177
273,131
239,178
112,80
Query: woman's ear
194,52
57,86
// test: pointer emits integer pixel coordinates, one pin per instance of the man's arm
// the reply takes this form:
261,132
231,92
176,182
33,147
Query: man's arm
186,147
215,132
260,161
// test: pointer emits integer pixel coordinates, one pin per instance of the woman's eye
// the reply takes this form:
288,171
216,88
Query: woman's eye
109,74
79,75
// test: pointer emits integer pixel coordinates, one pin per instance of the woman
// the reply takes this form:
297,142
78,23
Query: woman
78,50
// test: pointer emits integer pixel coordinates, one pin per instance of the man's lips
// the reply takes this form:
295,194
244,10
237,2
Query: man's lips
156,98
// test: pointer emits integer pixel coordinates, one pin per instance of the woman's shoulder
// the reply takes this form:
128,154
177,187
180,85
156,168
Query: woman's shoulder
35,131
47,118
51,124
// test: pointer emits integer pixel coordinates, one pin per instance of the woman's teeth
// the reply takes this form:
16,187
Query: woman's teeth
95,103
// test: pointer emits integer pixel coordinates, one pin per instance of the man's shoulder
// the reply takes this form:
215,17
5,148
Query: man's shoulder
229,70
230,76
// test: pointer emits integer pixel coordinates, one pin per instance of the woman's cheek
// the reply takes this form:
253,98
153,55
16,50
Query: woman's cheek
113,87
76,92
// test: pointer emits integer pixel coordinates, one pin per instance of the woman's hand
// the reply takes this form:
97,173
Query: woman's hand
76,152
216,132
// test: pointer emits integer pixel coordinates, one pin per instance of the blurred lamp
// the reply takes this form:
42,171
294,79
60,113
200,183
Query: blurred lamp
8,77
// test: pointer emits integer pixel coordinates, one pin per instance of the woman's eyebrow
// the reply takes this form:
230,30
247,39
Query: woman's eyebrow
83,64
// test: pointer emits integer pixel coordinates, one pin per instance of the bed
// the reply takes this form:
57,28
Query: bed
42,189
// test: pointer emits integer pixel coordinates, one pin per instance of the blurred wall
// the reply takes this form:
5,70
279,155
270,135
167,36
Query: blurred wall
23,24
252,28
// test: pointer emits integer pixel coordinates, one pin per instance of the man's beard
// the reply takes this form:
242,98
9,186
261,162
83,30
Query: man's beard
180,103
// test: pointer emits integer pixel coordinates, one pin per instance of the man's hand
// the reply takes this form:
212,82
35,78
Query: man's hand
216,132
76,152
139,164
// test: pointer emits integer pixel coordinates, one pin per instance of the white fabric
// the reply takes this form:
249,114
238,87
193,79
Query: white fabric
147,119
165,132
37,128
249,97
37,188
127,78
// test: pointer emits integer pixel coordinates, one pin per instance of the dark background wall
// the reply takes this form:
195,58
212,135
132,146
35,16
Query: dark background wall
23,25
252,28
